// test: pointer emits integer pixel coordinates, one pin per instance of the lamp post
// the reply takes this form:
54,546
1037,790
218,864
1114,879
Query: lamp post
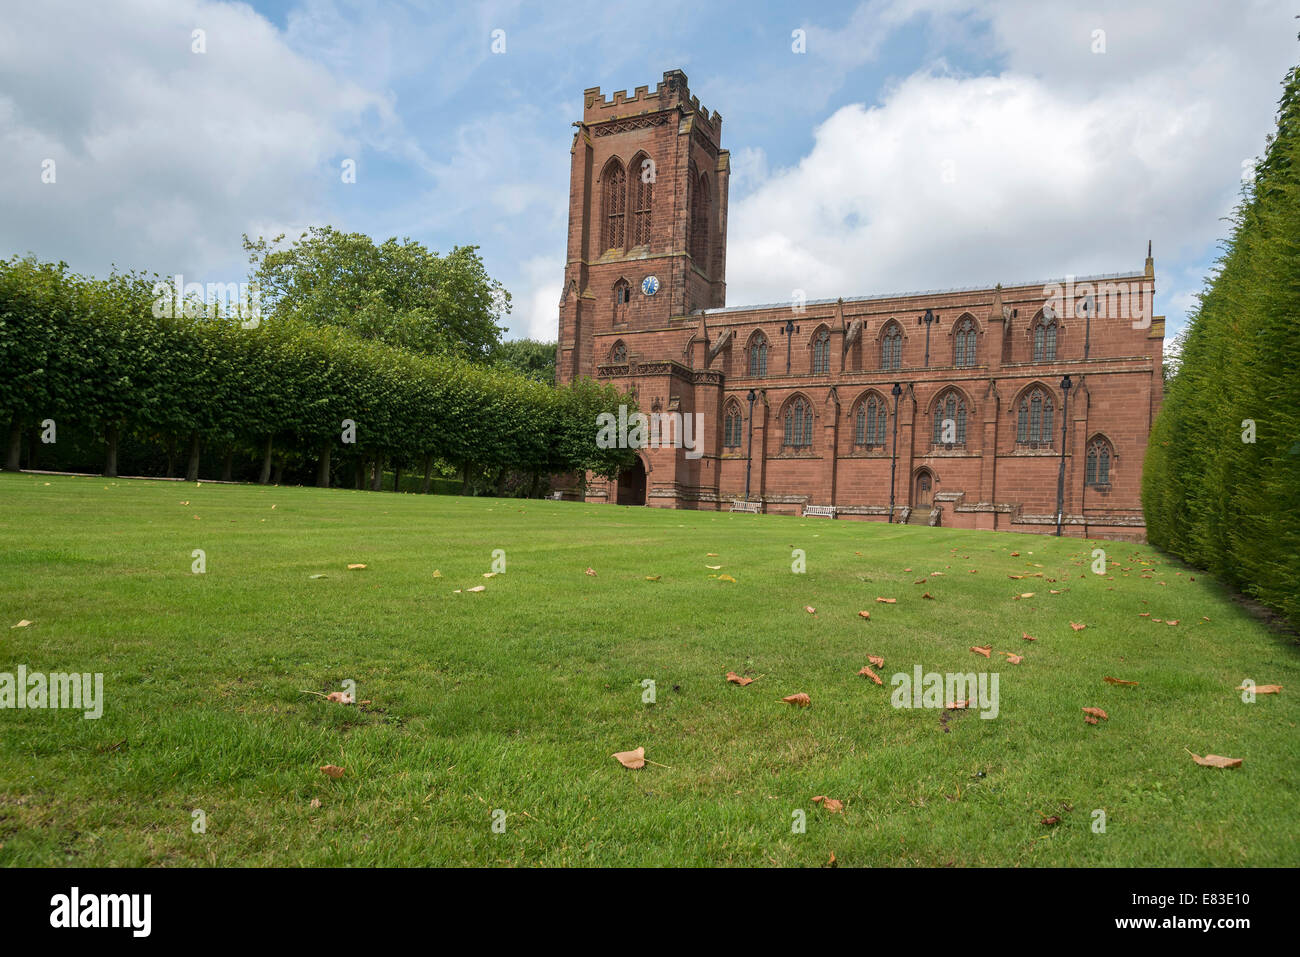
788,331
749,456
928,318
1087,308
896,391
1060,478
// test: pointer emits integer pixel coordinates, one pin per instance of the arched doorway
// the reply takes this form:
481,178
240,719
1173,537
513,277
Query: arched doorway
924,484
631,484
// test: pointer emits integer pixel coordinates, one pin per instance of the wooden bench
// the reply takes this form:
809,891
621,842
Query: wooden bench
755,507
819,511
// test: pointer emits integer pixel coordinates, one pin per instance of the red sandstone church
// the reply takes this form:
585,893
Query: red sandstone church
856,407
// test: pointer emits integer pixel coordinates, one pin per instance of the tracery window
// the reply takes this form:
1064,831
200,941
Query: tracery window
615,178
965,344
1034,423
1099,456
950,420
891,347
822,353
1045,340
732,427
758,357
798,424
869,424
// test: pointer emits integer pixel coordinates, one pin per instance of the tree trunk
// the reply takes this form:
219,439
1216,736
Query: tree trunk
14,452
397,478
171,457
227,465
34,449
428,472
359,474
110,457
278,477
377,476
532,488
265,477
464,479
192,470
323,468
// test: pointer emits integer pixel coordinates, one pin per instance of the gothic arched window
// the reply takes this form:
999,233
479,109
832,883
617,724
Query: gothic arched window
1034,423
869,424
732,426
758,357
891,347
615,178
622,293
1099,456
1045,340
642,200
798,424
965,345
950,419
822,353
619,352
700,222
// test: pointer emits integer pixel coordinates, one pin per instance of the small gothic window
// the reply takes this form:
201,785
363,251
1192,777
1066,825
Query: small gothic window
615,203
950,420
700,222
1045,340
1034,422
891,347
822,353
965,349
642,200
758,357
622,293
731,428
869,427
619,352
798,424
1099,456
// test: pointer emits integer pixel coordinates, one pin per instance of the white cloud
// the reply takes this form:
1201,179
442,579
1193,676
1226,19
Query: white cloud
164,156
1065,161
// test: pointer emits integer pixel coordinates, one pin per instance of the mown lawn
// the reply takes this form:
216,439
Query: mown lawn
514,698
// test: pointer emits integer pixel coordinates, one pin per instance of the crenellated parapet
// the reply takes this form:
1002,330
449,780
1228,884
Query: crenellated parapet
670,93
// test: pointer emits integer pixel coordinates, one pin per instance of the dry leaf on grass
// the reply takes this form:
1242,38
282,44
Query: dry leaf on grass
22,624
1026,594
865,614
631,759
1089,719
356,568
830,804
477,588
929,596
887,601
716,568
1013,659
436,573
958,705
1172,621
726,578
810,609
653,578
1215,761
876,660
871,674
1027,636
591,572
1097,713
315,802
736,679
1262,689
339,697
1076,626
333,770
985,650
1051,821
801,699
1118,681
920,581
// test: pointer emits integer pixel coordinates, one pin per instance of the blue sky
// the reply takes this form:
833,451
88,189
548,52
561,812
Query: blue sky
916,144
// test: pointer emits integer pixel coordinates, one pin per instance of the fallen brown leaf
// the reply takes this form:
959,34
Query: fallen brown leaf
879,662
1118,681
333,770
736,679
801,699
887,601
1262,689
631,759
810,609
864,614
1216,761
1097,713
1076,626
985,650
830,804
356,568
1027,636
870,674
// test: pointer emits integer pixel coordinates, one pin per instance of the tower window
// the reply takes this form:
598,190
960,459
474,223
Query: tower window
622,293
700,222
642,201
869,427
615,203
1045,340
758,357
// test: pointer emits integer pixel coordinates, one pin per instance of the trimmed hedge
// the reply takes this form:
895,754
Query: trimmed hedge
92,356
1214,493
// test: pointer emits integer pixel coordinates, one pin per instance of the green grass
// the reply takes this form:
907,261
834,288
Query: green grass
515,698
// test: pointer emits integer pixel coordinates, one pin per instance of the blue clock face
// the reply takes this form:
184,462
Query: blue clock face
650,285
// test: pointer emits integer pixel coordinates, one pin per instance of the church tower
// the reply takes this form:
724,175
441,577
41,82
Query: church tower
647,218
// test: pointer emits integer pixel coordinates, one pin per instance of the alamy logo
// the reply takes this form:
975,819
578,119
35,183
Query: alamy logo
658,430
37,690
936,690
103,910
